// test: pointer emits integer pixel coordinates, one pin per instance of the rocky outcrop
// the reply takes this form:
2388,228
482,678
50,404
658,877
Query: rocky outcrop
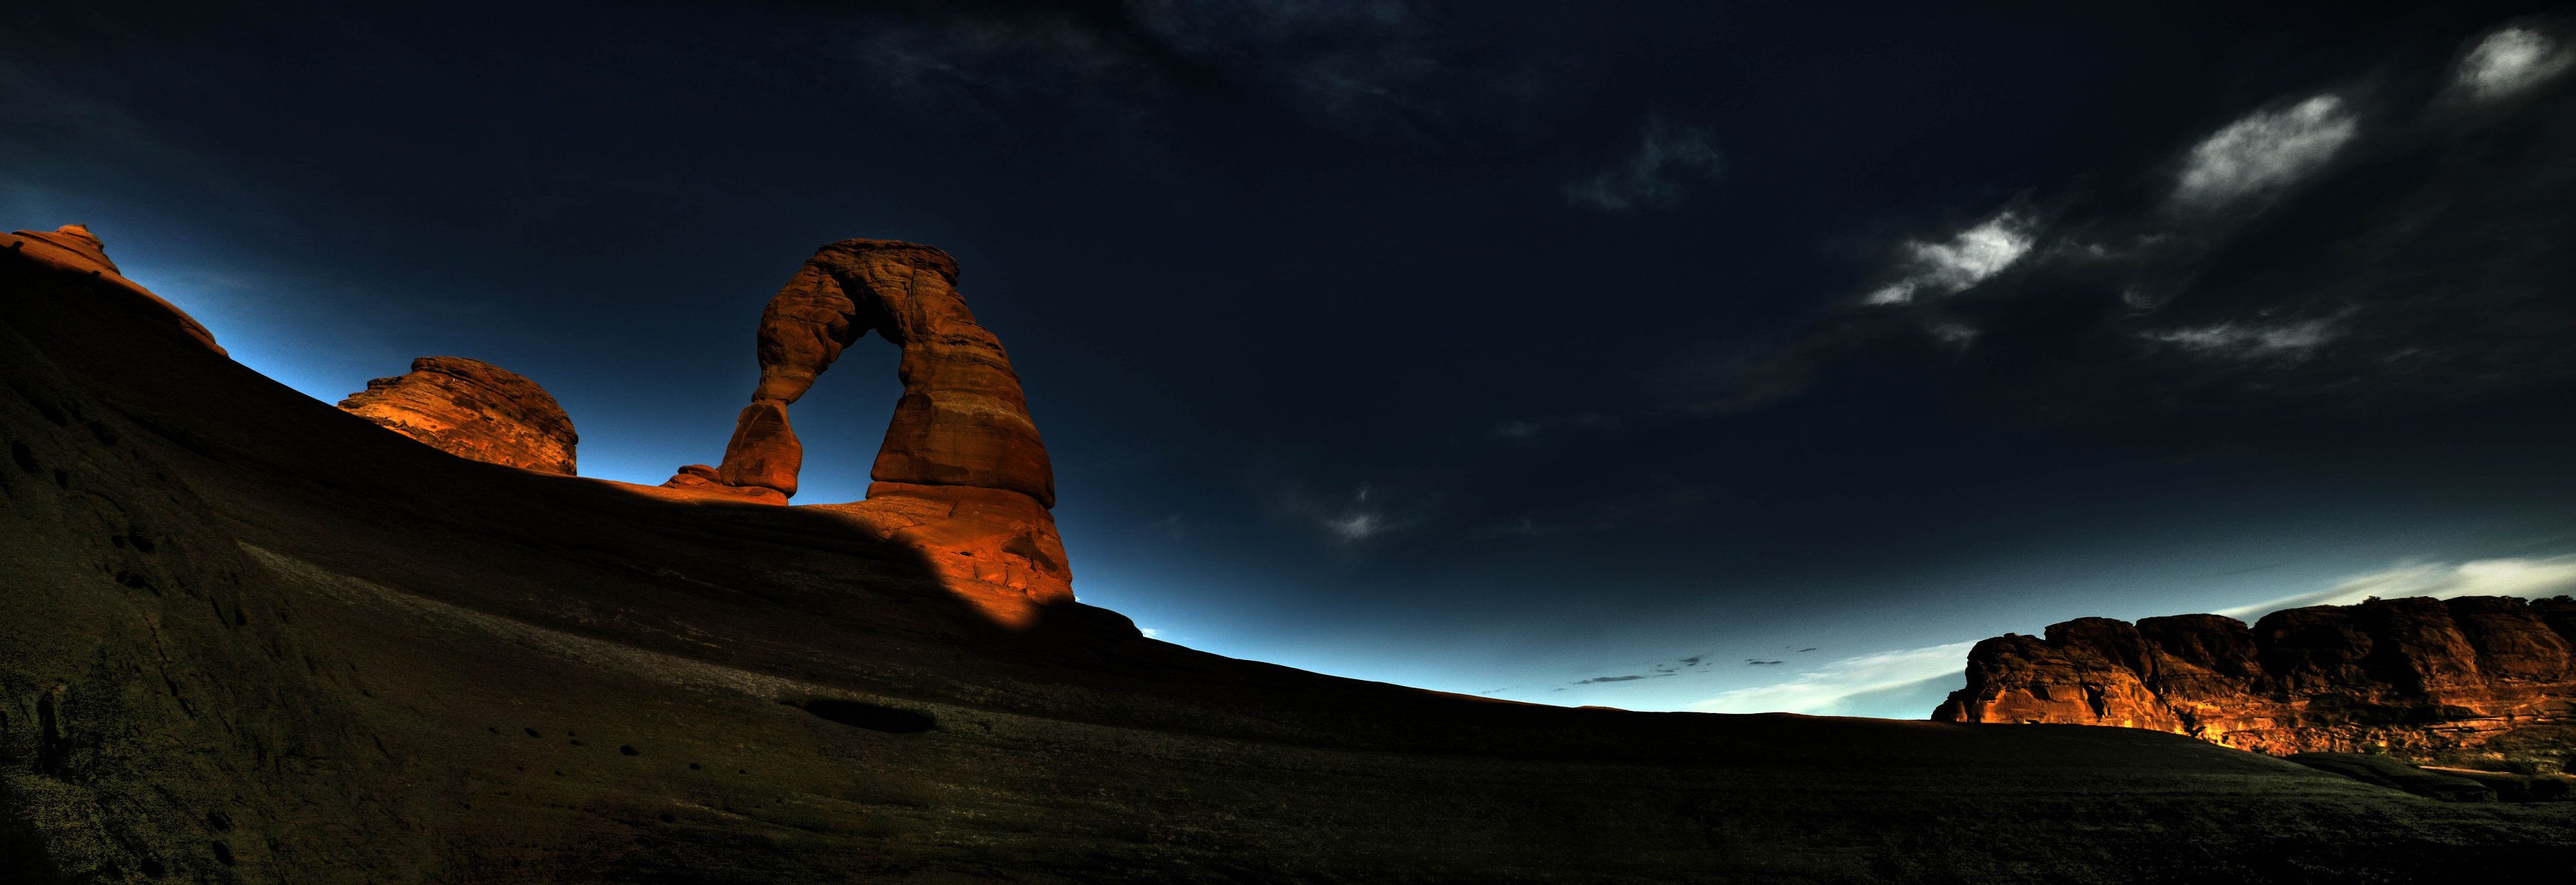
72,249
472,409
962,474
2466,678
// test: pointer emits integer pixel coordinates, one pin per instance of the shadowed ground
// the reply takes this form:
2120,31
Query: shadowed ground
253,638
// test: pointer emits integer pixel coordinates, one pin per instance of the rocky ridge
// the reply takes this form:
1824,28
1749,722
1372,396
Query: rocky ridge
472,409
2468,679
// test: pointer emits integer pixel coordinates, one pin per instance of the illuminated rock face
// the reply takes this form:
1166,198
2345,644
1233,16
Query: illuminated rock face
962,474
472,409
73,249
2419,677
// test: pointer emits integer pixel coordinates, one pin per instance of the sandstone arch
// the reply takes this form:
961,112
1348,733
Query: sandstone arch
962,473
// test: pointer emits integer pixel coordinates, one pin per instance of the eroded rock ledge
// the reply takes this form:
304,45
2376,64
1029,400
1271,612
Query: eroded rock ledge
472,409
2425,679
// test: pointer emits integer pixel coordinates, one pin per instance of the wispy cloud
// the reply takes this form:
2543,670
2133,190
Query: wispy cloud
2264,151
1362,516
1831,688
1962,261
2530,578
1531,429
1668,161
2508,61
1632,677
2249,340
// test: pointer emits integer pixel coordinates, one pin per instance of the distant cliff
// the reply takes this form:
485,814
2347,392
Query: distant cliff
2483,676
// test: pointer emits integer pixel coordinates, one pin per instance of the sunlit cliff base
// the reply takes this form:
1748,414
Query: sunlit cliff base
250,637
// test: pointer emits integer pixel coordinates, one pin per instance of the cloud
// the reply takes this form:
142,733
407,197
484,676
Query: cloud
2508,61
1356,525
1628,678
2249,340
1363,516
1964,260
1173,527
1150,633
1830,689
2264,151
1668,160
1530,430
2529,578
1398,70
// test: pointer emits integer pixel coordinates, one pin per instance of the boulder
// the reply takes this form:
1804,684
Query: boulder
472,409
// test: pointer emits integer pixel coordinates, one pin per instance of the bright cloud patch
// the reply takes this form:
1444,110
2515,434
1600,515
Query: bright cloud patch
2509,61
2250,340
1355,526
2524,577
1963,261
2265,151
1830,689
1668,159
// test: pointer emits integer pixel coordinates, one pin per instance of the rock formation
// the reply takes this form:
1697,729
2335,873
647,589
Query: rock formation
472,409
962,474
251,640
72,249
2477,676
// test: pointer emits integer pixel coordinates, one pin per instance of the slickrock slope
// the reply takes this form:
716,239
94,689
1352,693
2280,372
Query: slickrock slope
251,640
962,474
472,409
2426,679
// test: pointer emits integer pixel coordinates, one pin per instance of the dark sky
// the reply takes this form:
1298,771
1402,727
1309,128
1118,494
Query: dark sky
1667,356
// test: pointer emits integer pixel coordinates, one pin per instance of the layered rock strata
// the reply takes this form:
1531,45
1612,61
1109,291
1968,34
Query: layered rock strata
962,473
472,409
72,249
2419,678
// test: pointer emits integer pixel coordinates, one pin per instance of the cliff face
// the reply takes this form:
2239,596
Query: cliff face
472,409
2424,678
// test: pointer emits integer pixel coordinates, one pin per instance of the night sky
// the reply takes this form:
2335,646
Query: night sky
1663,356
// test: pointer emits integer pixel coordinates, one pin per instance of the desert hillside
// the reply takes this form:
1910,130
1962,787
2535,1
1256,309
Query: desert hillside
254,638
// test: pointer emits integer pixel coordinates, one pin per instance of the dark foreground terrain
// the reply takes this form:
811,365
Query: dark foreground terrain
252,638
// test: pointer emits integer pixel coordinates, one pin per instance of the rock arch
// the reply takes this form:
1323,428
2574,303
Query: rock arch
962,472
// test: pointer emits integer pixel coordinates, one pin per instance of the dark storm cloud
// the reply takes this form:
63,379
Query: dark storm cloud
2356,247
1397,71
1658,173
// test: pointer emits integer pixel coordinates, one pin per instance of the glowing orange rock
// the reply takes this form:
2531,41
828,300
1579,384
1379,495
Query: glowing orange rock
962,473
472,409
2417,677
73,249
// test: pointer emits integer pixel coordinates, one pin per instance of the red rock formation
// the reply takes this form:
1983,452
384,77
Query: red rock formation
2422,678
962,474
73,249
472,409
